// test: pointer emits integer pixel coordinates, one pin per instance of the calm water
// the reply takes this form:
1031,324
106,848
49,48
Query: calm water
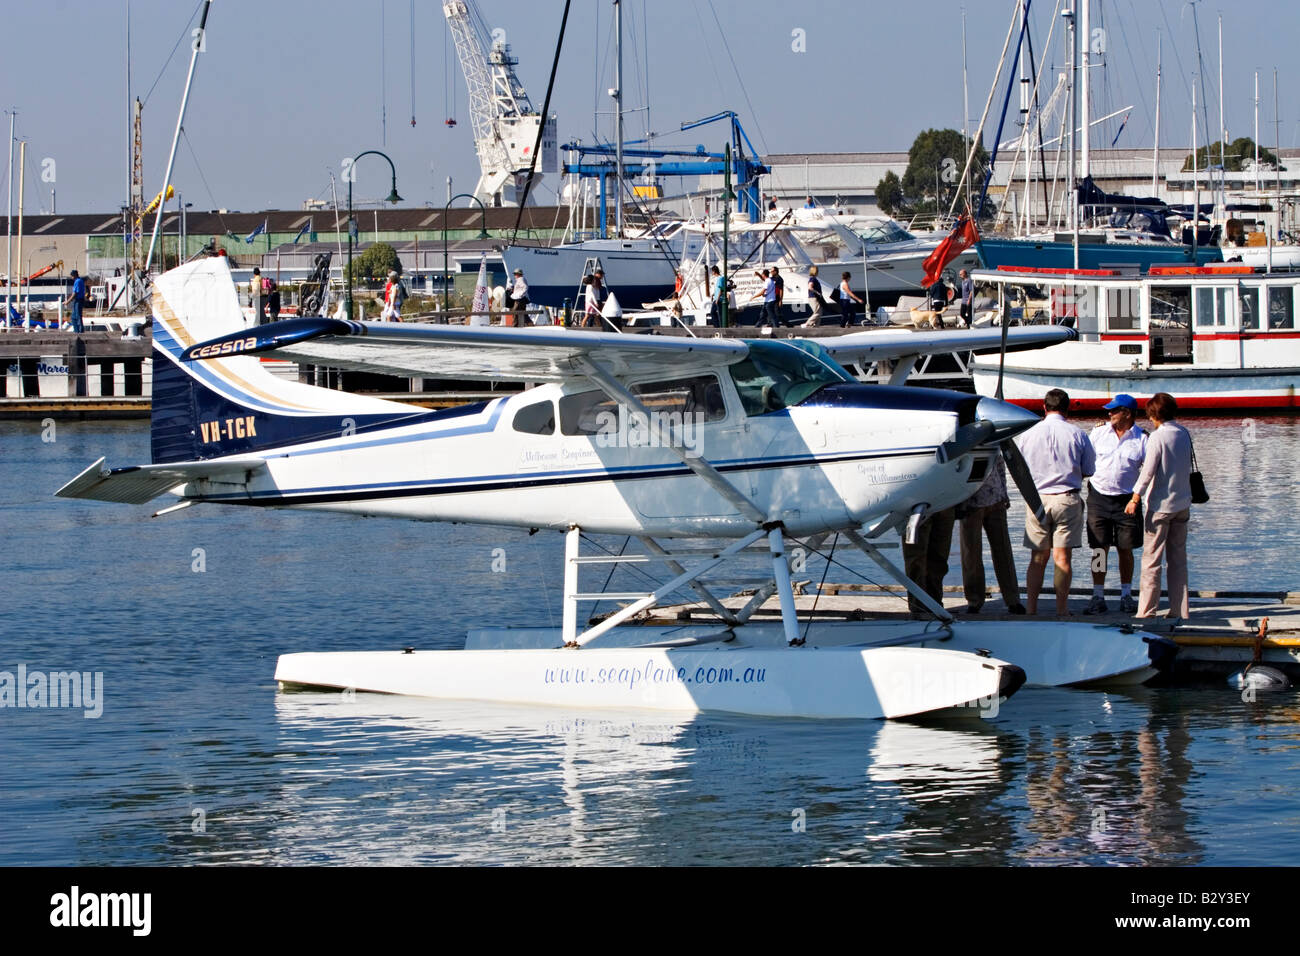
195,737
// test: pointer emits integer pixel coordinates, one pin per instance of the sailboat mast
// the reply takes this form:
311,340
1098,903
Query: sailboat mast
965,102
1155,153
1085,111
618,116
1257,133
1196,180
196,47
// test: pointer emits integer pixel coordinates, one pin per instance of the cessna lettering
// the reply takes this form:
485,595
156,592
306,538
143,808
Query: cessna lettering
241,427
224,348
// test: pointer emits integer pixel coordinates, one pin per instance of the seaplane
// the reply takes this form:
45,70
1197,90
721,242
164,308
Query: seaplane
704,450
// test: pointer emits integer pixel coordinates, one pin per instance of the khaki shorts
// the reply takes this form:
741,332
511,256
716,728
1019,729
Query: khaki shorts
1062,525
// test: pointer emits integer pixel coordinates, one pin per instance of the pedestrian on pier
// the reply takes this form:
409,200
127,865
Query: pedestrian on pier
1121,448
1059,457
76,301
847,298
985,513
1166,481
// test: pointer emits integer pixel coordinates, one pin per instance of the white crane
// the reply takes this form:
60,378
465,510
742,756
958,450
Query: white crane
505,123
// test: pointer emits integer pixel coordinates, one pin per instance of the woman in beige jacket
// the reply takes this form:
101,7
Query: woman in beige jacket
1166,480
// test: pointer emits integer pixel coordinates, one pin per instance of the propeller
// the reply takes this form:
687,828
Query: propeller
1017,467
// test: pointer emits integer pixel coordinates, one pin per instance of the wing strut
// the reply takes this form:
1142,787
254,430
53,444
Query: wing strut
914,589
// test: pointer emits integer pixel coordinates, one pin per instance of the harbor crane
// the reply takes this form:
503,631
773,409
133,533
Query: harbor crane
505,122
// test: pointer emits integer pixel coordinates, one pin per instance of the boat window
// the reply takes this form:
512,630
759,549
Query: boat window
1211,307
1123,308
1281,308
887,231
1171,307
1248,304
536,419
695,399
777,375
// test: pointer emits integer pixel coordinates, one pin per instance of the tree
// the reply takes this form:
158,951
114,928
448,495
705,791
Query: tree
1236,156
375,263
889,194
934,167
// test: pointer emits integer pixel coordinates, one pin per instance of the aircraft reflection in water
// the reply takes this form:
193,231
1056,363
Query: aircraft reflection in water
489,783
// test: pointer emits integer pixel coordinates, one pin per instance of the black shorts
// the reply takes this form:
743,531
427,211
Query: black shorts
1109,526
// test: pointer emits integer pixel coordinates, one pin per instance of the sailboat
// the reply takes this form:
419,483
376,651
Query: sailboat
1124,241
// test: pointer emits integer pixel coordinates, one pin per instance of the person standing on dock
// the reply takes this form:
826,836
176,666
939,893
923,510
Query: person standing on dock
718,296
255,295
779,282
967,298
1166,480
1059,457
519,297
273,301
847,298
769,315
815,300
77,301
1120,447
926,560
596,296
985,513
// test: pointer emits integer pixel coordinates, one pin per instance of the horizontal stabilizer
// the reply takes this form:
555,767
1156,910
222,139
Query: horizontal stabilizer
140,483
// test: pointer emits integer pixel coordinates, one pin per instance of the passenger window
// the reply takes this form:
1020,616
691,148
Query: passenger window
699,397
1248,303
536,419
1281,308
1123,309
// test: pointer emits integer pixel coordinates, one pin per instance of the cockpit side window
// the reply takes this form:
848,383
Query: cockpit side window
536,419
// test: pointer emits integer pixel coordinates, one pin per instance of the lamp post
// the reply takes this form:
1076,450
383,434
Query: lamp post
392,197
482,234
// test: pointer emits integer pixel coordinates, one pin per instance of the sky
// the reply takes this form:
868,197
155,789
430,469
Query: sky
286,89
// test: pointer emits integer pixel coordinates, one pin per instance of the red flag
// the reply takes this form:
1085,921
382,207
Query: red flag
962,237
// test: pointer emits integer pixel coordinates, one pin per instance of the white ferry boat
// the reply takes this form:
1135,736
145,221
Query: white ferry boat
1214,337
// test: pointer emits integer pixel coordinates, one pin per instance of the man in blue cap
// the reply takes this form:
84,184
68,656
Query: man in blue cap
1121,448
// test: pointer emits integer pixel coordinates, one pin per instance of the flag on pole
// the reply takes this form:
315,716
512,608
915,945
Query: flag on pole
255,233
962,237
479,309
1118,131
306,227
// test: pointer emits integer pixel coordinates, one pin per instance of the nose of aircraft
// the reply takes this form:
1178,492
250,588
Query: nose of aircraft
1007,419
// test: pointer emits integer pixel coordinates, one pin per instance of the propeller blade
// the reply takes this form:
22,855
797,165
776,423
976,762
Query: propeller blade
1018,468
968,437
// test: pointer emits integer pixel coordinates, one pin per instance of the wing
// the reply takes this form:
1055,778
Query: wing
545,354
142,483
873,346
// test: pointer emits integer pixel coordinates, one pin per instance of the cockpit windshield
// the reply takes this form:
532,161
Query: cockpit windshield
884,231
777,375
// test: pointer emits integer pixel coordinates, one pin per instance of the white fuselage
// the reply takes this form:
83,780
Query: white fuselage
812,467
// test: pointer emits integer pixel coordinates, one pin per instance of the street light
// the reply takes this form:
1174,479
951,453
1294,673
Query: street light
482,234
392,197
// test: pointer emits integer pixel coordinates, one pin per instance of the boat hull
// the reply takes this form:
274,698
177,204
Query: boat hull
813,682
635,274
1200,389
1043,254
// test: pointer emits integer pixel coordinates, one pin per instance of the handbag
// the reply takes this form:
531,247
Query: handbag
1199,495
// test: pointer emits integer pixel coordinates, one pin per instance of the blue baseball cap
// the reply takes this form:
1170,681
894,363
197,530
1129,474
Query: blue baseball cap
1122,401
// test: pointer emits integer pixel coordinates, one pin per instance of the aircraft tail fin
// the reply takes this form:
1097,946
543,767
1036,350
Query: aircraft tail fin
215,408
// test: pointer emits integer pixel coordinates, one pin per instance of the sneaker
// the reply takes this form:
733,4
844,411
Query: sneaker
1128,605
1096,606
1016,609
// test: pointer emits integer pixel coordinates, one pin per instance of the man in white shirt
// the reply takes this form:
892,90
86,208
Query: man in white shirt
1120,448
1059,457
